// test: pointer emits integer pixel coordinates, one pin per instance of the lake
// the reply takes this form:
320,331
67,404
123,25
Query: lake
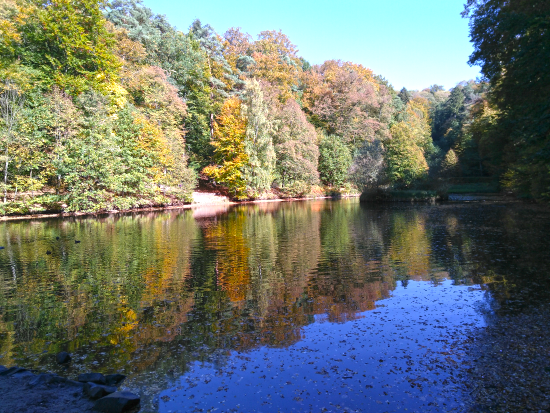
281,306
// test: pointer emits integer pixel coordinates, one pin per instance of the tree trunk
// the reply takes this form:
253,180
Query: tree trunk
6,178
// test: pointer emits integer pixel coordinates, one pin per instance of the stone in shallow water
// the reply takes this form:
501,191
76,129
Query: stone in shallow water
97,391
63,357
117,402
46,379
12,370
114,379
92,377
42,379
22,374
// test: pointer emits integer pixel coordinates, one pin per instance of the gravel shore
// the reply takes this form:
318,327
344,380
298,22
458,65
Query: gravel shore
19,395
510,363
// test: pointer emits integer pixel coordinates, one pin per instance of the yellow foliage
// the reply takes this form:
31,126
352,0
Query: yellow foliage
277,62
117,95
229,144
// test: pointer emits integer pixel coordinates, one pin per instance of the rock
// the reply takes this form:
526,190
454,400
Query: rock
75,383
2,368
97,378
12,370
63,357
41,379
50,379
22,374
97,391
117,402
114,379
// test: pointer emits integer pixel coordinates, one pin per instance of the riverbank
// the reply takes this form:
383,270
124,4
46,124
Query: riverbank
200,199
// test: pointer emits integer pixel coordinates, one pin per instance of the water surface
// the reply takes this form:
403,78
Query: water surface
303,306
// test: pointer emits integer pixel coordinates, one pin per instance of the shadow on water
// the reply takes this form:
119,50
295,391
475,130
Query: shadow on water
297,306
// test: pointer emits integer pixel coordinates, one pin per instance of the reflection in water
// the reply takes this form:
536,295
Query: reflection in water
152,294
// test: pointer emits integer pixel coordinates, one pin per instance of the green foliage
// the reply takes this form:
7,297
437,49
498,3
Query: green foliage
67,42
511,46
334,161
110,107
405,162
259,171
367,168
405,96
186,61
296,148
295,189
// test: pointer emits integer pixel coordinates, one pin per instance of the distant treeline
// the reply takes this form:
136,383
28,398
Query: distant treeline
108,106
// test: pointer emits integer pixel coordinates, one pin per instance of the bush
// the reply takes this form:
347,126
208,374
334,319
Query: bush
14,208
296,189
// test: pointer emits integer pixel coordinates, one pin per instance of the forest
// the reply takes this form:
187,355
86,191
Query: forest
107,106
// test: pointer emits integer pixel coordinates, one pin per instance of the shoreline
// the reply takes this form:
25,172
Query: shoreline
6,218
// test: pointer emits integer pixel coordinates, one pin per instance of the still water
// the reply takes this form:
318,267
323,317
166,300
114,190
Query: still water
303,306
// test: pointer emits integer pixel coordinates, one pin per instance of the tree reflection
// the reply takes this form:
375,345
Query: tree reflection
151,292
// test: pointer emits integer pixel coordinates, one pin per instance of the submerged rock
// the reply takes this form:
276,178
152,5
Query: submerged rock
114,379
24,373
43,379
97,378
97,391
12,370
63,357
117,402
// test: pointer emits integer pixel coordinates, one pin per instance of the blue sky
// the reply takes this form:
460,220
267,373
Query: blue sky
412,43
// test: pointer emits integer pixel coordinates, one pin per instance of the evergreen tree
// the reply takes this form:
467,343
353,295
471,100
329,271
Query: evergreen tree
404,95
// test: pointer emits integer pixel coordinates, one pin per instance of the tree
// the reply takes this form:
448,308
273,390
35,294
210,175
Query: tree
259,171
405,95
64,125
405,162
450,164
230,151
11,106
409,146
277,62
346,100
295,141
68,42
366,170
334,161
187,63
511,41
